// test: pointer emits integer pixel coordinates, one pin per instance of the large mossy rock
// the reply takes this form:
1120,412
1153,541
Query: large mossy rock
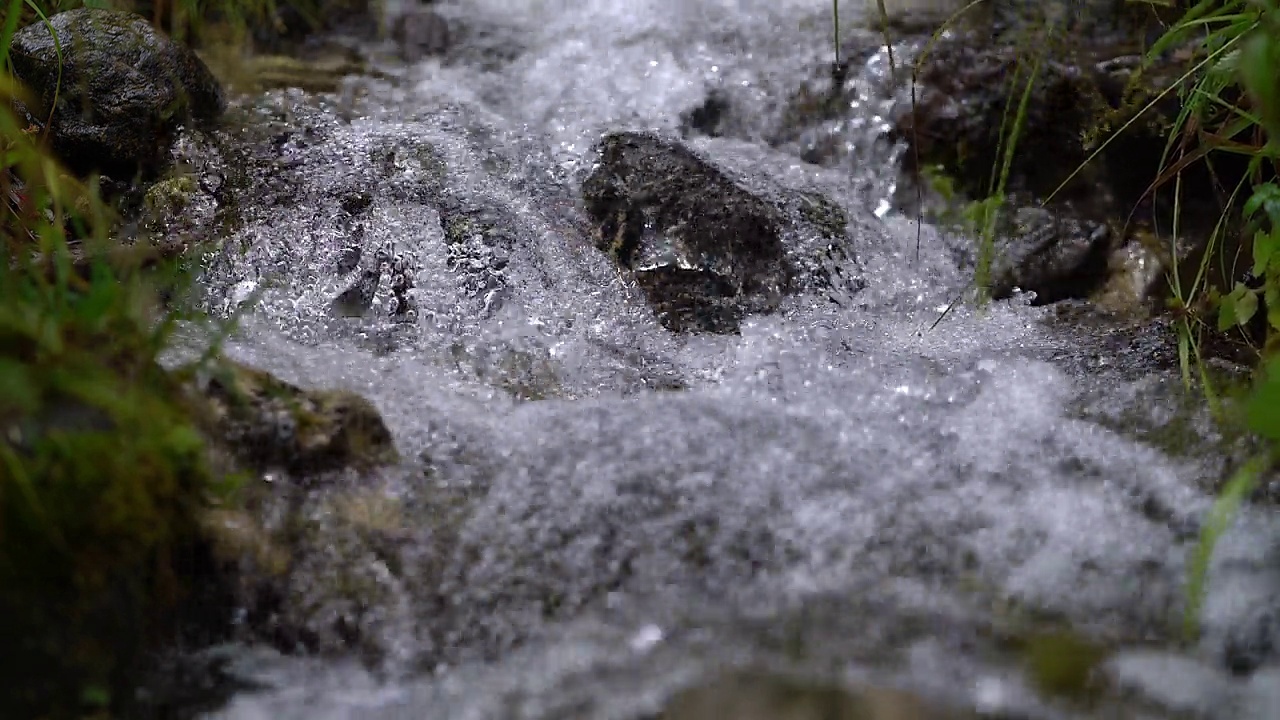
1098,131
1093,126
125,521
119,92
965,100
310,557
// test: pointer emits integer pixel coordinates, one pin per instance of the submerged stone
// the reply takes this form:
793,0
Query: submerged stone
114,87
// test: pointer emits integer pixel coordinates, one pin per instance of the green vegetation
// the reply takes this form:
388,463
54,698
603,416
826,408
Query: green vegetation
1229,101
1230,105
119,475
103,467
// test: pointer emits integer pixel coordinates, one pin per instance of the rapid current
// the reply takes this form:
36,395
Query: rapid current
841,493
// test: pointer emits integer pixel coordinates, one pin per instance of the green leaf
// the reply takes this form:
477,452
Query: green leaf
1262,411
1265,245
1265,197
1259,57
1227,312
1237,307
1272,298
1246,305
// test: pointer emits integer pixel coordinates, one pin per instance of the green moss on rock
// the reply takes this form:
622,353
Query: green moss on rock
170,196
267,422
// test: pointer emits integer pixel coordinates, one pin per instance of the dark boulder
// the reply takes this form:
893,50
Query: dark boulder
1056,257
122,89
420,33
709,118
704,249
1095,129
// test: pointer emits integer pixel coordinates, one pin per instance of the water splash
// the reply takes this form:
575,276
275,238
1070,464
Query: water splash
629,492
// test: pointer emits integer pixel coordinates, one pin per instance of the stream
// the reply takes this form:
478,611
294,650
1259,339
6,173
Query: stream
840,511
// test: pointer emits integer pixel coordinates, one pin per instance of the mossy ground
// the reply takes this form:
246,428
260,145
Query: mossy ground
102,476
105,473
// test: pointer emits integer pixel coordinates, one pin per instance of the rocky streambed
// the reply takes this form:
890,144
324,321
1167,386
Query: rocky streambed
595,375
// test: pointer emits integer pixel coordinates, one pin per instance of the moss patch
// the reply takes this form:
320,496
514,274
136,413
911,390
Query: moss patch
102,474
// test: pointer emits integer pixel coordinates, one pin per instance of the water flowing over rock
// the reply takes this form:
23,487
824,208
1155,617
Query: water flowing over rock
704,248
114,88
420,33
592,514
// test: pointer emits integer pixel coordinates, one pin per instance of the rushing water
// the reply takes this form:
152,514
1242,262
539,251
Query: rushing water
841,490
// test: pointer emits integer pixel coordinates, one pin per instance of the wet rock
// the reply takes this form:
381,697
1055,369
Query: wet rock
703,248
1053,256
1091,88
475,40
1254,643
690,299
1137,271
357,299
420,33
267,422
361,295
1111,22
817,116
316,569
349,259
964,94
321,71
122,91
357,202
709,118
479,250
522,367
765,696
414,172
179,206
